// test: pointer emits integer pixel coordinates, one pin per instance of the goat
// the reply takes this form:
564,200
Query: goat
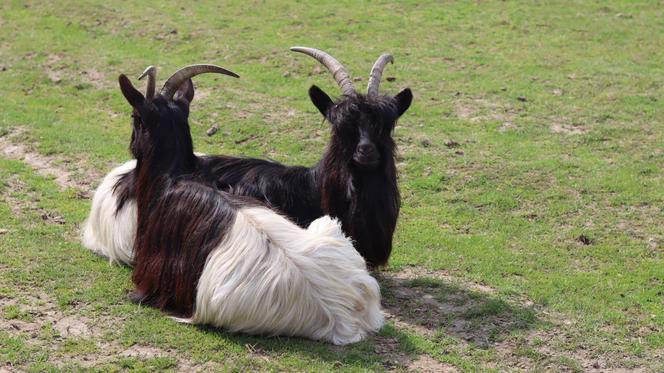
355,181
210,257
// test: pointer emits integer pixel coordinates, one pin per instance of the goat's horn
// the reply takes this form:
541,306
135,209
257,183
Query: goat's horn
176,80
151,73
336,68
377,72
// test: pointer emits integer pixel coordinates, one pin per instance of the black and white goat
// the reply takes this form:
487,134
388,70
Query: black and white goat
211,257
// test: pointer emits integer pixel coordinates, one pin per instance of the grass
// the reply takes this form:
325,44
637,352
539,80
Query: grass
530,163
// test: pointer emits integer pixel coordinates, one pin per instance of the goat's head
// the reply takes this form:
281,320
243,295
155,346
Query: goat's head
361,124
160,121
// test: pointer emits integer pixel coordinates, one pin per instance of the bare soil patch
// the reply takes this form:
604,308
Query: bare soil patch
73,326
58,70
414,273
145,352
40,312
477,110
53,68
95,77
426,364
48,166
567,127
395,360
14,184
19,206
508,126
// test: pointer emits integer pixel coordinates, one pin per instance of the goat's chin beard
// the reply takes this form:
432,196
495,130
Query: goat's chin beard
366,163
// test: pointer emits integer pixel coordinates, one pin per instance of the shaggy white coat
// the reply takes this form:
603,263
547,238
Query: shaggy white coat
268,276
105,232
271,277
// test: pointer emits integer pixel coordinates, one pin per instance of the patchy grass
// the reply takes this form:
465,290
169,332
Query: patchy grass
531,233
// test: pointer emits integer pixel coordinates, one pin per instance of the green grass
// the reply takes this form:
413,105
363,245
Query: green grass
579,160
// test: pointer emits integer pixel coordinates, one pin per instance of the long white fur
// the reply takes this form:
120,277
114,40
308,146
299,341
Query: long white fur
271,277
105,232
109,234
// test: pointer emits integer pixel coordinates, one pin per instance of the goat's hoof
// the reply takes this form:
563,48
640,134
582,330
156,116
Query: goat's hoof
136,297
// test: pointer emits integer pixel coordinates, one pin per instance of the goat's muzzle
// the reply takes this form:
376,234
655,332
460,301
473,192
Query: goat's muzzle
366,155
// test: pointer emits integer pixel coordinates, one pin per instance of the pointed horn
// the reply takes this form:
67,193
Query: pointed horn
336,68
377,72
151,73
174,82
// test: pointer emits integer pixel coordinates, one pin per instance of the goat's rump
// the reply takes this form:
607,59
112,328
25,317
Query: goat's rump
213,258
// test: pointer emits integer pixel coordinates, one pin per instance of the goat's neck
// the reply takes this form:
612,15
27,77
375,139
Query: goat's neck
347,190
154,173
367,204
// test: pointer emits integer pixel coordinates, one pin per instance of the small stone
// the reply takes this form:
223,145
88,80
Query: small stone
286,74
212,130
4,231
425,143
72,327
507,126
452,144
557,92
585,239
459,152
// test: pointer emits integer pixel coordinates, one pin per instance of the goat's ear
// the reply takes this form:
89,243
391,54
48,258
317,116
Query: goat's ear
133,96
186,91
404,99
322,101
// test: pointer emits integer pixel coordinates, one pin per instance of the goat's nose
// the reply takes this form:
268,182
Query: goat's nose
366,149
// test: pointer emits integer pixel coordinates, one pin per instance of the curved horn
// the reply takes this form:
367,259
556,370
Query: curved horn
377,72
174,82
336,68
151,73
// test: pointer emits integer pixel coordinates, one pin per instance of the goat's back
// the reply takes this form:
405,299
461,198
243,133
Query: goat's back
292,190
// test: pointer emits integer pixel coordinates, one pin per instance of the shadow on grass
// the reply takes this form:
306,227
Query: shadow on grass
432,306
422,306
390,348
